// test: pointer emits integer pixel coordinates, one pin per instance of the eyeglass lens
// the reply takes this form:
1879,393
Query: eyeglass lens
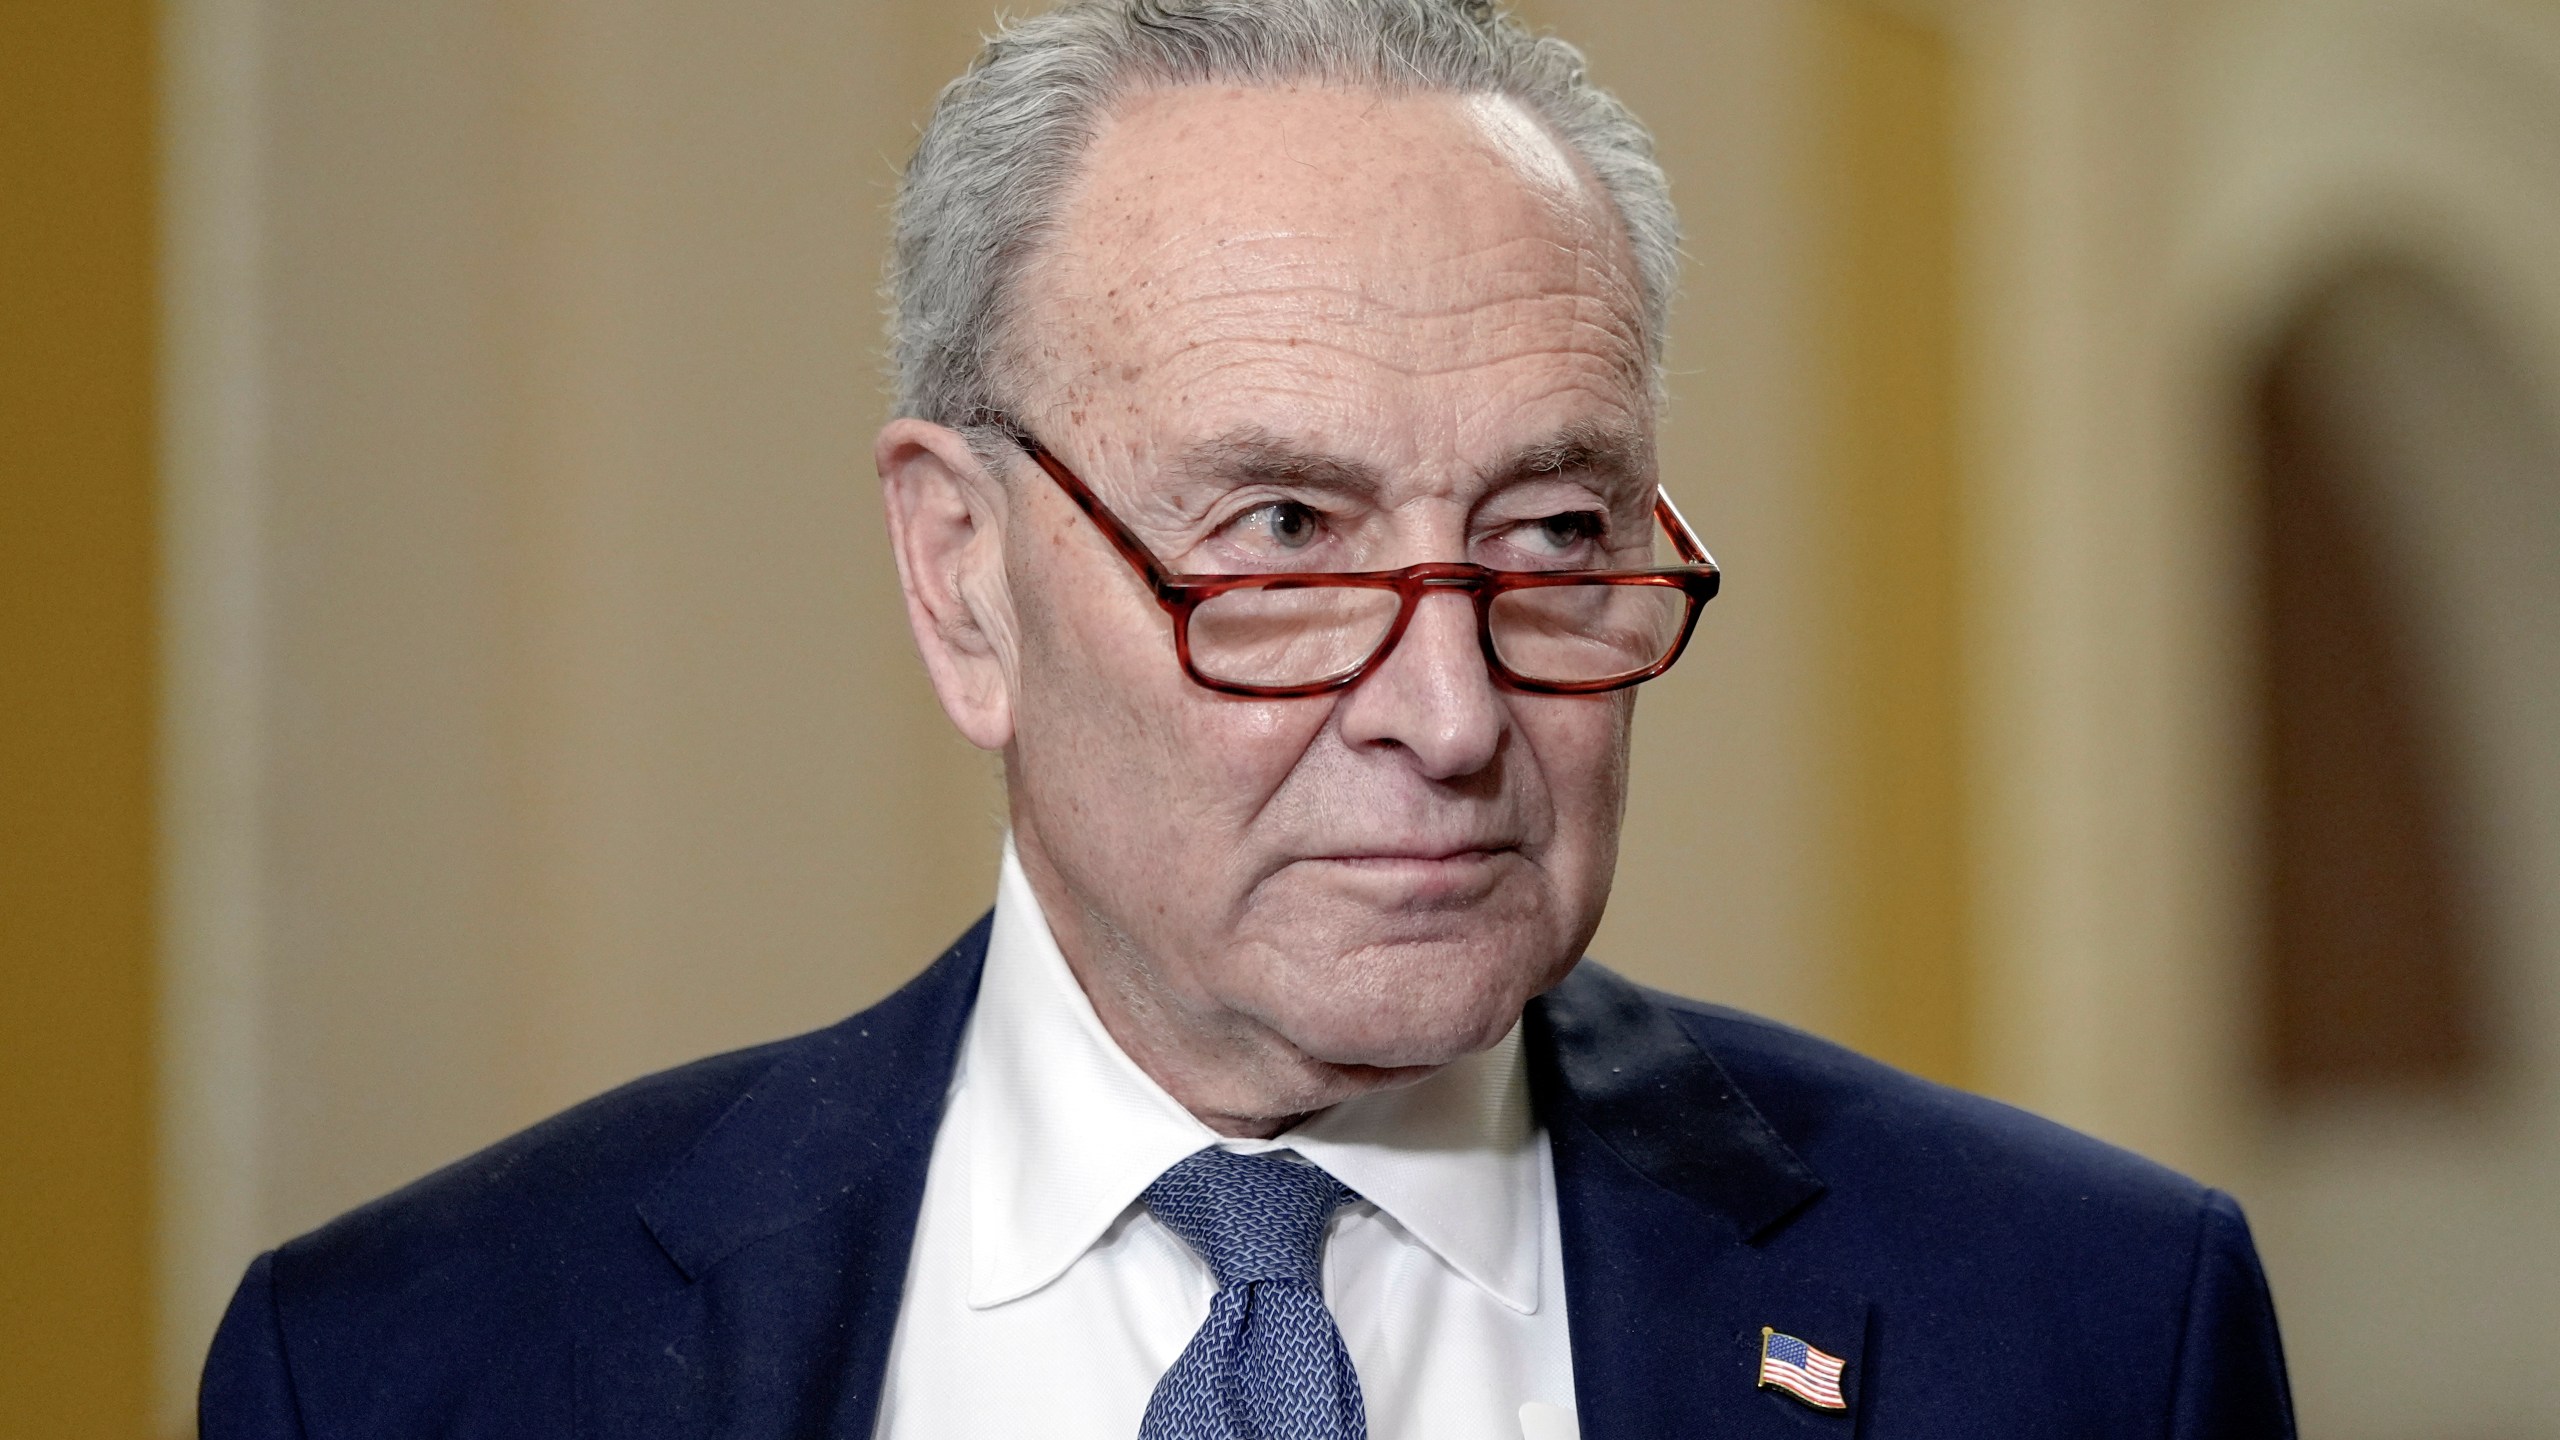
1566,634
1573,634
1287,637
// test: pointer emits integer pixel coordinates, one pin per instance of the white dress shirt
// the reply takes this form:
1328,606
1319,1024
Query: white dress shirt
1043,1300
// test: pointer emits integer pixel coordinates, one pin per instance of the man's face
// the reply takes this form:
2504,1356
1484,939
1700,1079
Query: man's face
1319,330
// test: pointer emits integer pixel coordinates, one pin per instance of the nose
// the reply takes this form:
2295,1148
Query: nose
1432,697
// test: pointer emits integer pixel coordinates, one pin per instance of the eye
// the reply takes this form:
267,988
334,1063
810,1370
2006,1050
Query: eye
1561,533
1281,524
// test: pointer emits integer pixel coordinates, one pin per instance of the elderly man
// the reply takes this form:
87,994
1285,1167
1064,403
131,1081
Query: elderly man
1274,489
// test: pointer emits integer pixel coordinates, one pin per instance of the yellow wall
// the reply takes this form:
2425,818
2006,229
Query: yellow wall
76,561
1883,224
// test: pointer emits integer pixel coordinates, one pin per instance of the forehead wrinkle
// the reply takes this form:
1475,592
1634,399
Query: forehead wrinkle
1151,255
1252,313
1299,319
1204,343
1299,315
1407,291
1207,360
1286,275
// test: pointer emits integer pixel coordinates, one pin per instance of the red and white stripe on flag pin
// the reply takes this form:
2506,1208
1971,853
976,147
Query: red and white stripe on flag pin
1810,1375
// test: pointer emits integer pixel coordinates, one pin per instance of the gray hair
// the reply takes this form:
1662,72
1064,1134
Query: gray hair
1005,138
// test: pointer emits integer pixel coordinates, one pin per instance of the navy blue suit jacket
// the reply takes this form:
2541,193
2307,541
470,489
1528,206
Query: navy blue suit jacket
719,1250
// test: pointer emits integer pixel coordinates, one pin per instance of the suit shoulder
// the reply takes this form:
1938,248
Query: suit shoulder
469,1281
1858,1118
472,1290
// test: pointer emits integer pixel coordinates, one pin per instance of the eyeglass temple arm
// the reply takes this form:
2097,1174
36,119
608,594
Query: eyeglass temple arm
1683,539
1131,550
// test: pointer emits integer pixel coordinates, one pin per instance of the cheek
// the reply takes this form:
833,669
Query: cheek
1582,749
1112,731
1246,749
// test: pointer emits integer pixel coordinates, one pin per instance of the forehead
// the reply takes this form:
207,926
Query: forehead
1259,257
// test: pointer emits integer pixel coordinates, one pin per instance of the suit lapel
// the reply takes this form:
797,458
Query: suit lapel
1671,1189
789,1228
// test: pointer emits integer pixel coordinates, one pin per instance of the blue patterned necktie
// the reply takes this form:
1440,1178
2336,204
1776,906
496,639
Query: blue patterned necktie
1268,1363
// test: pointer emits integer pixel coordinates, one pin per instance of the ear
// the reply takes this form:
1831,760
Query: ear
946,527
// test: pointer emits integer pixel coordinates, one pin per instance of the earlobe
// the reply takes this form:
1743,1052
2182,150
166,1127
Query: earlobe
946,529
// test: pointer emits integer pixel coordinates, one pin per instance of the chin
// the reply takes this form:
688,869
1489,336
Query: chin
1420,1014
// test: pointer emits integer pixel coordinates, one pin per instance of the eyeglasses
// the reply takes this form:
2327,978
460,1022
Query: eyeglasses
1278,636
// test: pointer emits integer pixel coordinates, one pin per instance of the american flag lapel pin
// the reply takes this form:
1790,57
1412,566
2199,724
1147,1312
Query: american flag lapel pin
1810,1375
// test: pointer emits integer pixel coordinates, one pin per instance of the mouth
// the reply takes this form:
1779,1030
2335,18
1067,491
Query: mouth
1424,875
1417,854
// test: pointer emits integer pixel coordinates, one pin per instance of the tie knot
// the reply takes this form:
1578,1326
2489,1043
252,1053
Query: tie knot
1252,1217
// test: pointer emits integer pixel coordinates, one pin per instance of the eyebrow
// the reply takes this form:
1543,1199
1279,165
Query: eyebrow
1251,455
1596,446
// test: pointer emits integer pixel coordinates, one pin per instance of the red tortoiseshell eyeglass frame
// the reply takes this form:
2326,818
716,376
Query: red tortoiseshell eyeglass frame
1181,594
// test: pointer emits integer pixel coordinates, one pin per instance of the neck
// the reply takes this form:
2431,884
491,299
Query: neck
1235,1074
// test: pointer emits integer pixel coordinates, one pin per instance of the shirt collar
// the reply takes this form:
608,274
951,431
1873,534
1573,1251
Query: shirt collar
1065,1131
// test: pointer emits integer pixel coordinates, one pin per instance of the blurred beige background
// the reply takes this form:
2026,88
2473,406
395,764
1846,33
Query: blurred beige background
529,706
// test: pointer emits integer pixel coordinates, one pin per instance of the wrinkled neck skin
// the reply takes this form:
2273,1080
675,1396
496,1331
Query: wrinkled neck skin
1236,1073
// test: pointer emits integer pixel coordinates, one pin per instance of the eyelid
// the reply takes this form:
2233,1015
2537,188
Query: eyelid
1223,530
1540,515
1259,504
1231,509
1605,486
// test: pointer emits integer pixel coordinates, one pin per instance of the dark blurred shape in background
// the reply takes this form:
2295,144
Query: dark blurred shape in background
2372,927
